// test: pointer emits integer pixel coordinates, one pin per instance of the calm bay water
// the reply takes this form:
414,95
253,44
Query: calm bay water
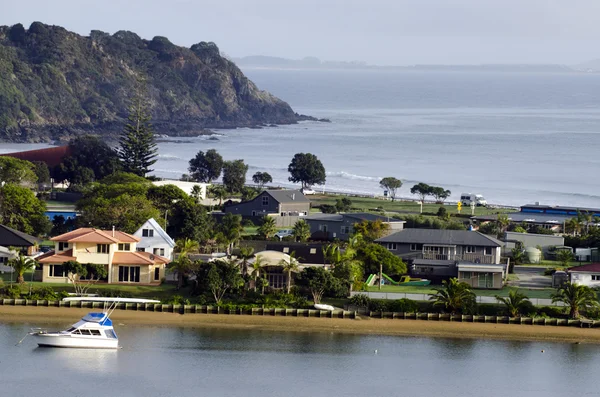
516,138
159,361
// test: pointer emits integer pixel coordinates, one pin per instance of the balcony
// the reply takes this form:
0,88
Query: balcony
475,258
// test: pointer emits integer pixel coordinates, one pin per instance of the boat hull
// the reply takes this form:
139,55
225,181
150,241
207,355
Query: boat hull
320,306
417,283
58,340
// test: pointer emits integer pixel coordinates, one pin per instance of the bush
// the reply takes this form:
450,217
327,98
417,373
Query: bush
360,300
177,300
13,291
379,305
44,293
328,209
551,311
404,305
113,293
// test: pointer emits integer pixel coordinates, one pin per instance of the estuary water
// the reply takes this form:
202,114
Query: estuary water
160,361
516,138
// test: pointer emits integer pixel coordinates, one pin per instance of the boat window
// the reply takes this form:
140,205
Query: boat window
71,329
95,332
111,334
77,332
85,332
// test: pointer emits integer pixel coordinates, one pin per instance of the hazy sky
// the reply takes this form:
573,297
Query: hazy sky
399,32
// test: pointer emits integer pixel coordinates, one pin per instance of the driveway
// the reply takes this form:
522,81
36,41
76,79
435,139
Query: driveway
531,277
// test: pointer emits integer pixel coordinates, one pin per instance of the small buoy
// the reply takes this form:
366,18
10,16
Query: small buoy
542,351
375,351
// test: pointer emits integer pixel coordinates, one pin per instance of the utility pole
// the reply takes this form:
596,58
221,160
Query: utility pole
380,275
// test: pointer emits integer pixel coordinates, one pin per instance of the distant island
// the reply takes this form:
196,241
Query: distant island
265,62
55,84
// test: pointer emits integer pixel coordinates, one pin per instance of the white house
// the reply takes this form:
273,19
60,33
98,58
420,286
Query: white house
154,239
586,275
185,186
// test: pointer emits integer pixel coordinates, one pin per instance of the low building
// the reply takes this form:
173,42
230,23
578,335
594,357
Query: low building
185,186
153,238
285,206
546,242
10,237
588,275
341,226
114,249
437,255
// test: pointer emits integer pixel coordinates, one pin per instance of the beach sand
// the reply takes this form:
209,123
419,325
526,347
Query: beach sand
45,316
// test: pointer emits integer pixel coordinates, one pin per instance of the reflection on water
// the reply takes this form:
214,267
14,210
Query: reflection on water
158,361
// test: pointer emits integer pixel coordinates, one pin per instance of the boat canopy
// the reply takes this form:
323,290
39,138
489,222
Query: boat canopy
94,317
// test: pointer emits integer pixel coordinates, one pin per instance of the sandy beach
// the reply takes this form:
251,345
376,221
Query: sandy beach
47,316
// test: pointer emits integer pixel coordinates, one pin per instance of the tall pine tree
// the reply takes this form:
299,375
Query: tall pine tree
137,149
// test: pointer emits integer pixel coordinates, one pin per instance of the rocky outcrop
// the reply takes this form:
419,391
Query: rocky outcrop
56,84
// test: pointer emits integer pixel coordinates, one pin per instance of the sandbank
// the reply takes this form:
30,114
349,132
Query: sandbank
44,316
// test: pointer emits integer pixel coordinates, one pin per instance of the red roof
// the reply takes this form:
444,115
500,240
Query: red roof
138,258
91,235
51,156
52,257
591,268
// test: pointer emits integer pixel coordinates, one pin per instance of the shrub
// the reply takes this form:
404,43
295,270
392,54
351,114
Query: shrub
404,305
551,311
360,300
379,305
13,291
44,293
177,300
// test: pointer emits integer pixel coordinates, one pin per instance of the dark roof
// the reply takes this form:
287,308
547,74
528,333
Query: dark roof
302,251
51,156
528,217
591,268
358,216
559,208
11,237
288,196
439,236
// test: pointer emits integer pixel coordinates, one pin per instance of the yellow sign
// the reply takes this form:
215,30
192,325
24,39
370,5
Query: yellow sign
458,206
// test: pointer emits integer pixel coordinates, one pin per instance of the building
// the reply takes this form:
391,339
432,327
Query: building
52,156
117,250
545,241
153,239
437,254
10,237
585,275
285,206
341,226
185,186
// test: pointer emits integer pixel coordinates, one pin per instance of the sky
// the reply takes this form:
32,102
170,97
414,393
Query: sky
379,32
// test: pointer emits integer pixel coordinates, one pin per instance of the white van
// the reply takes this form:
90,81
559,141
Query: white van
468,198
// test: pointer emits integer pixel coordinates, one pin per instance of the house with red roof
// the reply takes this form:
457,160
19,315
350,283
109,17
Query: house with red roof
115,249
585,274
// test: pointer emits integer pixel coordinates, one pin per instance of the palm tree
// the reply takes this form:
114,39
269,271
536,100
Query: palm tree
246,253
564,256
575,297
301,230
573,226
183,264
455,296
256,269
218,192
503,222
515,303
332,253
19,265
268,227
290,265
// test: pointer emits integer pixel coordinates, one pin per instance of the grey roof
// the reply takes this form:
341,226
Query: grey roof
358,216
325,217
527,217
439,236
12,237
288,196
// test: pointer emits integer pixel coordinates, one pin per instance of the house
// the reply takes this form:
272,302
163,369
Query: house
186,186
10,237
585,275
341,226
117,250
286,206
153,239
546,242
437,254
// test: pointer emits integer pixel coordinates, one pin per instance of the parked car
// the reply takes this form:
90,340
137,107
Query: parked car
468,198
284,233
307,190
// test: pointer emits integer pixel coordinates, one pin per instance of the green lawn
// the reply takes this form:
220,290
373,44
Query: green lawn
407,207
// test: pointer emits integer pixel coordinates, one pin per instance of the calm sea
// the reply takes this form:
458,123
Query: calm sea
516,138
157,361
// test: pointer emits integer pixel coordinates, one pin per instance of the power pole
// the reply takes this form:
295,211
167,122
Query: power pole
380,275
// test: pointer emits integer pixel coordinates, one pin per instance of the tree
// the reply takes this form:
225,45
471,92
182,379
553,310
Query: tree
206,167
256,269
234,175
183,265
422,190
245,255
20,209
301,231
164,197
20,264
16,171
42,172
188,219
88,272
307,169
503,221
519,229
137,146
231,228
248,193
391,184
317,280
440,194
373,255
261,179
516,303
454,296
576,297
518,256
218,192
289,265
371,230
343,204
564,256
220,277
268,227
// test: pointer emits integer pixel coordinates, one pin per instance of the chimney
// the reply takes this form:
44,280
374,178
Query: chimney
113,231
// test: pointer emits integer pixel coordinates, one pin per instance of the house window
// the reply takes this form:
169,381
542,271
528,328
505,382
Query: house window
102,248
466,275
416,247
391,246
147,232
345,230
156,273
56,271
265,200
470,249
159,251
286,250
595,277
62,246
323,228
139,249
313,250
124,247
488,250
129,274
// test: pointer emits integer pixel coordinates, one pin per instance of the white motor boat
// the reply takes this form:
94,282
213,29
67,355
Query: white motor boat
320,306
94,331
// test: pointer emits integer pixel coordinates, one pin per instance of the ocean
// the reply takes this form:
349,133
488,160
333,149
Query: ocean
515,138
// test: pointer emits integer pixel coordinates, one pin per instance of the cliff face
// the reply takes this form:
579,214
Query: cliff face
55,84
